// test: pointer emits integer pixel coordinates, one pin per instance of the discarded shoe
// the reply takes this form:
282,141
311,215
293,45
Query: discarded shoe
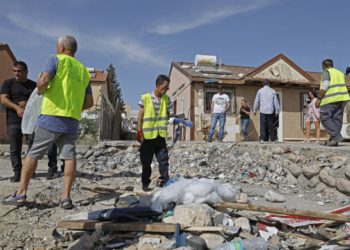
66,204
15,199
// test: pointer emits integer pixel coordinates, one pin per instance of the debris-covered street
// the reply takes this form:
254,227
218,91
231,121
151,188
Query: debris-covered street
284,176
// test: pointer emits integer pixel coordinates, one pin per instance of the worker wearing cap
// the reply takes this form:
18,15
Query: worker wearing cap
332,100
153,115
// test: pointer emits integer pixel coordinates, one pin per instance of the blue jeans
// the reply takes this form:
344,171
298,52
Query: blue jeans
244,126
214,119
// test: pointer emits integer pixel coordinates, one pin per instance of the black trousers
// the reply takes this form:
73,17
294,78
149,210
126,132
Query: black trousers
149,148
14,133
52,155
267,127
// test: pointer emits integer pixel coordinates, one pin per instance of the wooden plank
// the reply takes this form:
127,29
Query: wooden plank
131,227
286,211
116,227
137,227
78,224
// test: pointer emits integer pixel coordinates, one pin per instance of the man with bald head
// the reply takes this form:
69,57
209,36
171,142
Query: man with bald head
65,86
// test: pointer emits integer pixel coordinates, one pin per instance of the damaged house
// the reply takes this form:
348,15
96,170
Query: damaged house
194,84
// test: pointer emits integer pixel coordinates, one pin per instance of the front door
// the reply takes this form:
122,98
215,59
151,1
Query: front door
280,127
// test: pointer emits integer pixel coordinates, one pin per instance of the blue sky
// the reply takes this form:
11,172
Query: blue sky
142,38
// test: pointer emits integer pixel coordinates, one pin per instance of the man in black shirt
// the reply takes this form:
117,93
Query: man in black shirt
15,93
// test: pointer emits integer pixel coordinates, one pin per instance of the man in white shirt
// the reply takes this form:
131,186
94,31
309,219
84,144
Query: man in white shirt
219,106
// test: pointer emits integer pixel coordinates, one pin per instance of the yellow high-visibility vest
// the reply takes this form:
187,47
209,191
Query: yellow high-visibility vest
66,91
154,125
337,91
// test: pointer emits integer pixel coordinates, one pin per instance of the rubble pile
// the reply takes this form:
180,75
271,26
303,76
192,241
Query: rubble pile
109,177
299,172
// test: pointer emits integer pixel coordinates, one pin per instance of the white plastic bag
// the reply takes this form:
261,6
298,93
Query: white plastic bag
185,191
31,112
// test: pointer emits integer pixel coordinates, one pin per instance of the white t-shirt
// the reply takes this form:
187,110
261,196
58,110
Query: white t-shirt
220,101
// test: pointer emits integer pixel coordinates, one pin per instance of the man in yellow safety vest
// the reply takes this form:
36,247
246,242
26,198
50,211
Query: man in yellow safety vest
65,86
332,100
153,115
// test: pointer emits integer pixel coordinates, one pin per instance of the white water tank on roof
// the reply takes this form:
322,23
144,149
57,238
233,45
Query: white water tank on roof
206,60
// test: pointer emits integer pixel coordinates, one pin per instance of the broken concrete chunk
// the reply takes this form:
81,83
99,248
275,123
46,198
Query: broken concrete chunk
242,198
193,214
311,171
326,178
295,169
293,158
303,181
89,153
347,171
196,242
222,219
343,185
320,187
272,196
154,241
243,223
314,181
212,240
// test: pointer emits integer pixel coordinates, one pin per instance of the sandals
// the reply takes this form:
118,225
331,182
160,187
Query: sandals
66,204
14,199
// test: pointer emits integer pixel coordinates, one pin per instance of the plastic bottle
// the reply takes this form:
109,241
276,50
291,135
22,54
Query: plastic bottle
248,244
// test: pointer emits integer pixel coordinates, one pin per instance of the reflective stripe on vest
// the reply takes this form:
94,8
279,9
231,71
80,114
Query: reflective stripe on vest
66,91
337,90
154,125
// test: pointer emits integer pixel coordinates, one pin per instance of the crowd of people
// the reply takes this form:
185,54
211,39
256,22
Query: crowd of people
64,85
324,107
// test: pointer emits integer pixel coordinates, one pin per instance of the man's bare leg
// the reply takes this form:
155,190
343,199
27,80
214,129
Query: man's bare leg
70,169
28,170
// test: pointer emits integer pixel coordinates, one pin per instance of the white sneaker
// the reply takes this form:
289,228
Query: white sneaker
262,142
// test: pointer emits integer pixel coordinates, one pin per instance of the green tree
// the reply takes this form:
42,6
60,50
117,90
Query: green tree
116,92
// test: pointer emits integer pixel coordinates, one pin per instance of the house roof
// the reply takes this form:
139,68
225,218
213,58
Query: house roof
4,46
97,76
242,75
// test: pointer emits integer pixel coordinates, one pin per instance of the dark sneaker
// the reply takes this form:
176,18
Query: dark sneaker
51,175
332,143
146,188
15,178
161,183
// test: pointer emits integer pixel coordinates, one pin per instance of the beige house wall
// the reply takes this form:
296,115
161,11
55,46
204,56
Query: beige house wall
96,92
291,114
202,119
180,94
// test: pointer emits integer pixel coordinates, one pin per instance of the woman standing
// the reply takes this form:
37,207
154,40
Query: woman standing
244,113
312,114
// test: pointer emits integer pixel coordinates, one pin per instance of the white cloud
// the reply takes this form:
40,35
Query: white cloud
132,50
202,17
